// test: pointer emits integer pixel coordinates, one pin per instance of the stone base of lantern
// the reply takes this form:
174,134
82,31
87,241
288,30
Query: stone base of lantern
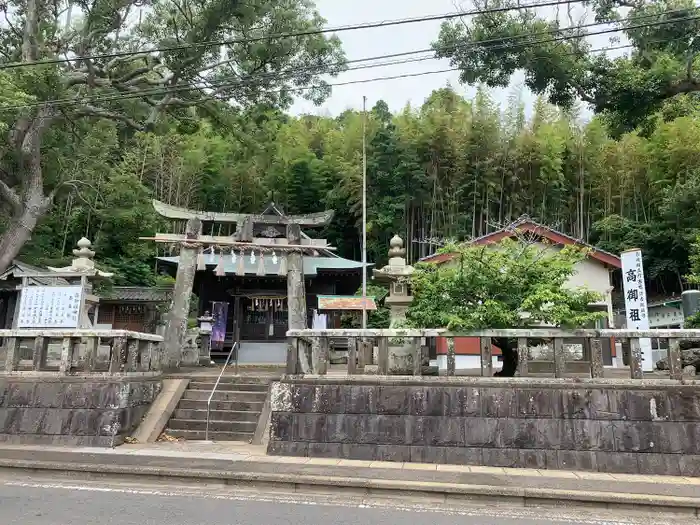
401,359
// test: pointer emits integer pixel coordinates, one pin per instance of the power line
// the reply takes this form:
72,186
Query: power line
347,83
514,37
369,25
479,43
222,84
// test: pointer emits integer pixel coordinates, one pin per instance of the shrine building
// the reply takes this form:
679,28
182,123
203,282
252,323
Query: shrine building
244,274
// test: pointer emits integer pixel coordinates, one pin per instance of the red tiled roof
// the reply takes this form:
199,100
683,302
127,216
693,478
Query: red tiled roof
527,225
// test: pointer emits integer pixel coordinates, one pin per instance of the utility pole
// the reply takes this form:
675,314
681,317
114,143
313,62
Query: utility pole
364,212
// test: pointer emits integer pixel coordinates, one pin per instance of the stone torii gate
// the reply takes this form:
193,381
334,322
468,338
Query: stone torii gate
193,242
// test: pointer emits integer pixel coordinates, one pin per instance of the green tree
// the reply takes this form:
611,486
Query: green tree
378,318
452,168
124,215
136,87
509,285
559,63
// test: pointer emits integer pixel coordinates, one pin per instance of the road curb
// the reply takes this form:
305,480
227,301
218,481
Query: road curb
448,492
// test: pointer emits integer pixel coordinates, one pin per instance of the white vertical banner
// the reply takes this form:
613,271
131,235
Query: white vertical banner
636,301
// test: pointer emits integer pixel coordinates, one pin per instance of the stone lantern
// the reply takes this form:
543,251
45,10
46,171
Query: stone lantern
83,272
206,326
397,273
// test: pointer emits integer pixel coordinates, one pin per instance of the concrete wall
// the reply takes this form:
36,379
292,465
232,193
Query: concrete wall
73,410
624,426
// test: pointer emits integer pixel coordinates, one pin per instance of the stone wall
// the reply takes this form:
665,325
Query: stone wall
90,411
623,426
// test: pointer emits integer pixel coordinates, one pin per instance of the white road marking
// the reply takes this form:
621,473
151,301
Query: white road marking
553,514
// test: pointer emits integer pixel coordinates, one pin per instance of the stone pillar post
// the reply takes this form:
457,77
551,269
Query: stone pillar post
176,318
296,298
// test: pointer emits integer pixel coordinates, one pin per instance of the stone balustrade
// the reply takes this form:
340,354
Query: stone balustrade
80,351
313,345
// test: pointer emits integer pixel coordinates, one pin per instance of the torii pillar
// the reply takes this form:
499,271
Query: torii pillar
176,318
296,303
296,298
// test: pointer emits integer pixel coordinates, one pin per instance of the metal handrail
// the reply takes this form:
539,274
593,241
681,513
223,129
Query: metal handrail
216,385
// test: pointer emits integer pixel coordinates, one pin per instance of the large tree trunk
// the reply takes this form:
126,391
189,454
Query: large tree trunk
509,349
28,201
18,232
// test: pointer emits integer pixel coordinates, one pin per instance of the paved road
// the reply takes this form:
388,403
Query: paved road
33,501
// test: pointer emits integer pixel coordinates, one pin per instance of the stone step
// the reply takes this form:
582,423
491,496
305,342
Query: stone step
234,406
214,426
237,395
222,386
198,435
218,415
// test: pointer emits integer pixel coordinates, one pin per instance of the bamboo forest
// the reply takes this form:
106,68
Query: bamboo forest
450,169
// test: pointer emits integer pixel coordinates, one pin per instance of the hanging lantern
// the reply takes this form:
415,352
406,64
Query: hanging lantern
240,270
274,258
261,266
252,256
201,264
220,271
282,270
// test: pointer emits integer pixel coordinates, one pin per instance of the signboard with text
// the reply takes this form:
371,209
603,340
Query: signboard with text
636,301
50,307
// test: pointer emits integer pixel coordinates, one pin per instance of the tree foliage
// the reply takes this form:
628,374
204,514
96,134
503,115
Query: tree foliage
378,318
143,70
509,285
452,168
559,62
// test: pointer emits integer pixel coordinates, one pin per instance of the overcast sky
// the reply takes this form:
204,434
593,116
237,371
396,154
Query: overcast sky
395,39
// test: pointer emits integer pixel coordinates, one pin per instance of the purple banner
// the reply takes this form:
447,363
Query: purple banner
218,330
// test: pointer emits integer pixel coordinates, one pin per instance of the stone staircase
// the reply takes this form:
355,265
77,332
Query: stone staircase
235,409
